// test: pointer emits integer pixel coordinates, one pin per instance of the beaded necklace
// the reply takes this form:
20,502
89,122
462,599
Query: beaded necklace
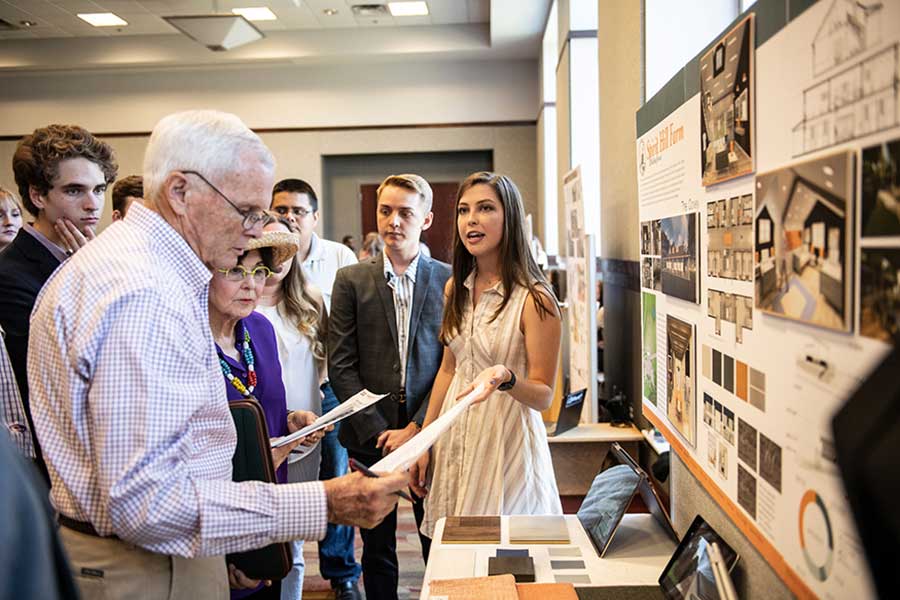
246,391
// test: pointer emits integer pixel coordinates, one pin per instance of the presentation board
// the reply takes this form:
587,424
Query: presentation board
581,281
769,208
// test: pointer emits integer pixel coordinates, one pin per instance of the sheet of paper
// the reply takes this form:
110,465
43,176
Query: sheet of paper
404,456
301,452
363,399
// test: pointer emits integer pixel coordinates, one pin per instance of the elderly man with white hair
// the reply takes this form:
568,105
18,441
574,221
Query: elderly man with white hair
128,395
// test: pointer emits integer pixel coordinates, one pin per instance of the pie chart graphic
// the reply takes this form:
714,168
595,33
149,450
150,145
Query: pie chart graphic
816,535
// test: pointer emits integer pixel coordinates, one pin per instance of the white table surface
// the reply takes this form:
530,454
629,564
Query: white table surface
637,555
597,432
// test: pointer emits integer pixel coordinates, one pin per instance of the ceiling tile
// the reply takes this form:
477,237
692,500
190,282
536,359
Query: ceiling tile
121,6
50,32
78,6
448,13
343,18
375,22
12,14
420,20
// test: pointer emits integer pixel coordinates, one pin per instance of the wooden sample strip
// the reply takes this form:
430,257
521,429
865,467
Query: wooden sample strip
538,529
472,530
501,587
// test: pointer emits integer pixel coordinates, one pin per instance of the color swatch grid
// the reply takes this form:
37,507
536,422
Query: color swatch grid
735,376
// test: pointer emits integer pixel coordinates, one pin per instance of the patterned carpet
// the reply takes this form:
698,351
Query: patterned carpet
409,554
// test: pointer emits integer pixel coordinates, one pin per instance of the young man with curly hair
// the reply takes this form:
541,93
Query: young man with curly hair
62,172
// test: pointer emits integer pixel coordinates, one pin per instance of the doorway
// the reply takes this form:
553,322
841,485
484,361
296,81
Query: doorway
346,179
438,237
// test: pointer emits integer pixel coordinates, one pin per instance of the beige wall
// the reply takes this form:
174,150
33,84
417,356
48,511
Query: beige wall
266,97
299,153
619,59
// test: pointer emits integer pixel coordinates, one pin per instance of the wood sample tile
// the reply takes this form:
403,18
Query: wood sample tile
472,530
538,529
500,587
546,591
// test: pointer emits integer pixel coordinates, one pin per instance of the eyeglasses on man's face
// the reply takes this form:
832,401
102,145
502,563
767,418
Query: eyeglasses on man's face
239,273
297,211
251,217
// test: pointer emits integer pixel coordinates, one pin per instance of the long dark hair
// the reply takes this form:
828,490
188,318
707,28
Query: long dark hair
517,265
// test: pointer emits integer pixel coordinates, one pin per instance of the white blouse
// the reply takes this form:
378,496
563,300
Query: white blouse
298,369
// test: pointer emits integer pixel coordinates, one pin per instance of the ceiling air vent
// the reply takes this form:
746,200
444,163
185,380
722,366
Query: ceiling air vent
371,11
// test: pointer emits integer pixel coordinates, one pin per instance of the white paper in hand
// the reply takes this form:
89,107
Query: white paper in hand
362,400
404,456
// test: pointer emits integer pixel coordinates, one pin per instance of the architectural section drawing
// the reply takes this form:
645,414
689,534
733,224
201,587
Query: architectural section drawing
849,27
858,101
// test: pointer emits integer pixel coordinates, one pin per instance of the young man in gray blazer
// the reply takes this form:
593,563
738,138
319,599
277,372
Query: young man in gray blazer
383,336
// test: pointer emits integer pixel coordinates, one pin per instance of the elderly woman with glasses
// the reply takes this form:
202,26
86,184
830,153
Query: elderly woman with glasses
248,355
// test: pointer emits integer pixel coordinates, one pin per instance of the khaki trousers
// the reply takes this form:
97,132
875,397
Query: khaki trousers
111,569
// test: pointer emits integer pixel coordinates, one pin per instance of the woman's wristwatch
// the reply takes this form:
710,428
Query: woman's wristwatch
509,383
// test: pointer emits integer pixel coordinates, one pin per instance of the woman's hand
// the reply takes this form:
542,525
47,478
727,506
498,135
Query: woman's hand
298,419
280,454
238,581
490,379
418,471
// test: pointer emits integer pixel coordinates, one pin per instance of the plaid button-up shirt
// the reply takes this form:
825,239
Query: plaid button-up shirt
402,287
129,403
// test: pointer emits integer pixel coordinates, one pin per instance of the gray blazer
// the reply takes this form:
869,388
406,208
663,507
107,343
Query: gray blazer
362,346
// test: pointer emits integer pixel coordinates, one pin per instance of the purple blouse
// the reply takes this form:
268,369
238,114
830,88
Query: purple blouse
269,385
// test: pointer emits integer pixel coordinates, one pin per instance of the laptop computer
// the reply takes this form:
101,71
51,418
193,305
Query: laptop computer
569,412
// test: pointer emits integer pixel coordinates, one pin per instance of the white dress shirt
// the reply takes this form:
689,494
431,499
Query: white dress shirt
322,264
129,403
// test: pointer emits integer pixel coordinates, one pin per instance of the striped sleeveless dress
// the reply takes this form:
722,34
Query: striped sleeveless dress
494,460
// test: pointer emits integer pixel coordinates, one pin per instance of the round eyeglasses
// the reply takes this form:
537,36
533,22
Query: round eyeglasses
239,273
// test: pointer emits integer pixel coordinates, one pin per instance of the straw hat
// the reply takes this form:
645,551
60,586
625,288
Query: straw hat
284,244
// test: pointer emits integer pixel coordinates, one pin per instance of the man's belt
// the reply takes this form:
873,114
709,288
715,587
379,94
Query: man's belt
81,527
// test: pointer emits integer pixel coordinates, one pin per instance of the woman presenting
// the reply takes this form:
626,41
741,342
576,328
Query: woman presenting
501,329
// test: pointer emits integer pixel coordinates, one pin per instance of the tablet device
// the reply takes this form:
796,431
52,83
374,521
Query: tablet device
604,505
689,573
570,412
647,492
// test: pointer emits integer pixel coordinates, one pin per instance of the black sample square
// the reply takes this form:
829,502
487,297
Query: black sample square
520,567
728,373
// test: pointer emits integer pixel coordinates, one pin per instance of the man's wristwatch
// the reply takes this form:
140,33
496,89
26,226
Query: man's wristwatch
508,384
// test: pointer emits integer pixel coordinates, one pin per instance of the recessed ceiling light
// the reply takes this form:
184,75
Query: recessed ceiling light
408,9
27,24
828,170
106,19
330,12
255,13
